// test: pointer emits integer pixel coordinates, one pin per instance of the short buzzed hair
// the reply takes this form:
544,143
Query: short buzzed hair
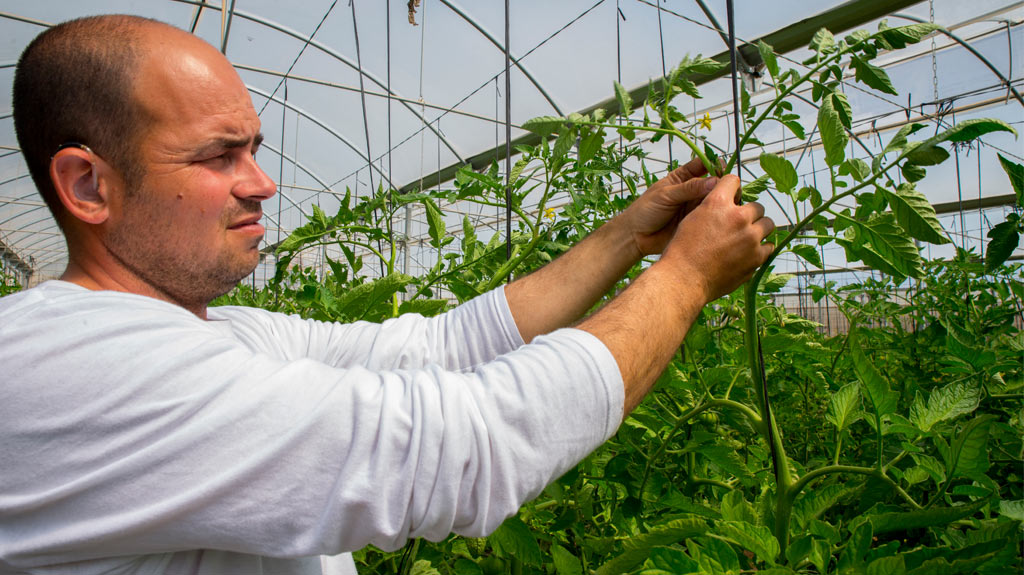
74,83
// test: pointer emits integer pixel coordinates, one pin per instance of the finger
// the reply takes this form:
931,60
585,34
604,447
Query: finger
726,190
765,226
691,190
692,169
755,210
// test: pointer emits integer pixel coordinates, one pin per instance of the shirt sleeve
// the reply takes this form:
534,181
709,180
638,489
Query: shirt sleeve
470,334
140,430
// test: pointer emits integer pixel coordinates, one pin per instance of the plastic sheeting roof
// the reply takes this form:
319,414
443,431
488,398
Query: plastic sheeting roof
446,80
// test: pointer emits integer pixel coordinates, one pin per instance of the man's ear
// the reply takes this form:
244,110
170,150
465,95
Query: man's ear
75,176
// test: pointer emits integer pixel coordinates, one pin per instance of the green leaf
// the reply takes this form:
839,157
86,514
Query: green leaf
727,459
356,302
842,106
899,141
756,538
1003,240
566,138
844,408
423,567
899,37
912,173
1012,509
888,240
823,41
967,456
464,566
1015,172
517,169
915,214
637,548
971,129
514,539
892,565
768,57
589,146
813,503
565,562
424,307
856,167
808,253
781,171
750,190
435,223
876,388
544,125
772,283
943,404
833,135
918,518
624,99
668,561
736,508
871,75
920,155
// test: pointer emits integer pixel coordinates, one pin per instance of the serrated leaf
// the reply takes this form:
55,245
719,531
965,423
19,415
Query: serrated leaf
517,169
356,302
844,407
901,36
1012,509
918,518
736,508
889,241
781,171
772,283
920,155
768,57
971,129
1015,172
637,548
892,565
424,307
544,125
566,138
514,539
464,566
1003,240
435,223
423,567
727,459
833,135
669,561
823,41
808,253
871,75
624,99
943,404
967,456
842,106
565,562
755,538
915,214
750,190
876,388
813,503
856,167
899,141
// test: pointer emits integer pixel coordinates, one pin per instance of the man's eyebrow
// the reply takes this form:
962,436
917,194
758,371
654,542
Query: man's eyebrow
229,143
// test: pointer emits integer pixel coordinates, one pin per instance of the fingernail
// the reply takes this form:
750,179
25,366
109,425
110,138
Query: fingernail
710,183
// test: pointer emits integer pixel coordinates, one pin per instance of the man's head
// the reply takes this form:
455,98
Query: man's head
166,202
73,84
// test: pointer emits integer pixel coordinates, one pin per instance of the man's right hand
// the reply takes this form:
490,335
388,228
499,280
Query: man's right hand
719,243
716,247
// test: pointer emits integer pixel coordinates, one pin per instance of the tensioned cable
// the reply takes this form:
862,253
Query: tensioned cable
492,78
362,98
664,73
299,55
508,142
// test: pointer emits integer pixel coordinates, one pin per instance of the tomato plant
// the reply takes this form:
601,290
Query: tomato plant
894,447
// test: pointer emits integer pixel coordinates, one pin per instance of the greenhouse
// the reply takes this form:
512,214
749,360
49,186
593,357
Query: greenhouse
850,402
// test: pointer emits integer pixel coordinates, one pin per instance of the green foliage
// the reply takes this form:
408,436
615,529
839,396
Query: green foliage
892,448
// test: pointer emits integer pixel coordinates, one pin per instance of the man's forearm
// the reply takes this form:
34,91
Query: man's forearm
562,291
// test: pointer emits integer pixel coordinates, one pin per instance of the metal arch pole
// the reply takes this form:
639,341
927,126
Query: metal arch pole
195,18
332,53
970,49
515,61
332,131
225,29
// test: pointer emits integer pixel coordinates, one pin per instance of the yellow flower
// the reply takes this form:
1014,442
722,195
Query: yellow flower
705,122
549,213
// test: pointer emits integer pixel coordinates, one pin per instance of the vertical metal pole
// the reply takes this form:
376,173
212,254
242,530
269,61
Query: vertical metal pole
508,140
735,89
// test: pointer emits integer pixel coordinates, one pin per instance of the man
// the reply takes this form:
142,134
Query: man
143,432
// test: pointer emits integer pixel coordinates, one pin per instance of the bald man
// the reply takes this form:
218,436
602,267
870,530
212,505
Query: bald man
146,433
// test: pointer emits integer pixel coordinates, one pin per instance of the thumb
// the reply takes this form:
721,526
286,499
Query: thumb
695,189
726,191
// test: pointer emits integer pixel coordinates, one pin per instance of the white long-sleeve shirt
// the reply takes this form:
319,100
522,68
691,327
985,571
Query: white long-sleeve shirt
137,438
